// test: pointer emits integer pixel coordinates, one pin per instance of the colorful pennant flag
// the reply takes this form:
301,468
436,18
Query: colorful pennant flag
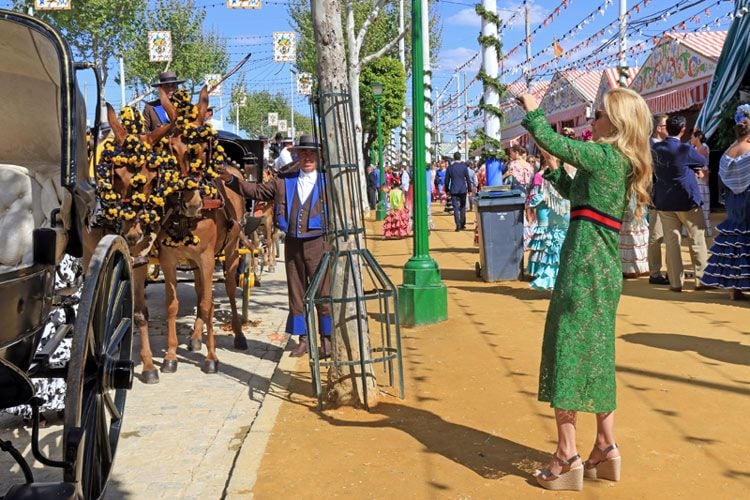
284,46
52,4
558,49
244,4
159,46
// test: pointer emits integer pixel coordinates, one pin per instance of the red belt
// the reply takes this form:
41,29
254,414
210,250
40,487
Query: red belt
590,214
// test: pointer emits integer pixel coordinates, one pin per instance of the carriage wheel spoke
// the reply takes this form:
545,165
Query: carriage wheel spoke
117,336
103,435
111,406
120,292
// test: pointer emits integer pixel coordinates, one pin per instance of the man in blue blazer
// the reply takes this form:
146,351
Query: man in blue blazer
678,201
457,183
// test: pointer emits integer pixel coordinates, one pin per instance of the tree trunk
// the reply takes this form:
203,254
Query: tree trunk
354,73
342,146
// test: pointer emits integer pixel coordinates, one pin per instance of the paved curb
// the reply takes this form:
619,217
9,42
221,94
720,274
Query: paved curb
244,472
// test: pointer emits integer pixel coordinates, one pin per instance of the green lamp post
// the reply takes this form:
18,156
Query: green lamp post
422,298
377,92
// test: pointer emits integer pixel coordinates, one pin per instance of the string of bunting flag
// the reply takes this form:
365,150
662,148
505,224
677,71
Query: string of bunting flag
559,51
635,27
643,46
639,44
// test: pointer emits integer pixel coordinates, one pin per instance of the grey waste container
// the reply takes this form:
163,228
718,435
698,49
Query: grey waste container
500,216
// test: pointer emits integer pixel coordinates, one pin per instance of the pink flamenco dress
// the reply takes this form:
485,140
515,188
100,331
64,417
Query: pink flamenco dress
396,223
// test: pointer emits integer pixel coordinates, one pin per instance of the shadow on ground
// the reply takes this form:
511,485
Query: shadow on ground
489,456
720,350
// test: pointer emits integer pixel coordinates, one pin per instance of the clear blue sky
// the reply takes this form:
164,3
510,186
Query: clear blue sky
461,27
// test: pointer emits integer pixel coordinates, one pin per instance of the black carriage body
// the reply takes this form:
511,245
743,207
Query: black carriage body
40,98
248,153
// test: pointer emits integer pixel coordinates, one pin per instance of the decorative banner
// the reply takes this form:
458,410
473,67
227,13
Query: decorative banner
244,4
281,126
52,4
159,46
273,119
304,83
285,46
211,81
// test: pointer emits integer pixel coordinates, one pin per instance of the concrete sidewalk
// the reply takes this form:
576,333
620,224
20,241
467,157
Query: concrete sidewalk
180,438
471,426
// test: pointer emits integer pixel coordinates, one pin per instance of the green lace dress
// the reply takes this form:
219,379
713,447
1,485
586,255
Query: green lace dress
578,353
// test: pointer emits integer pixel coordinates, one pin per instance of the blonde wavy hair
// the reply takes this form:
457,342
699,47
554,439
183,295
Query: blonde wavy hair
631,118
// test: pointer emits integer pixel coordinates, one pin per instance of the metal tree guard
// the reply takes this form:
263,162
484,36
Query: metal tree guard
356,278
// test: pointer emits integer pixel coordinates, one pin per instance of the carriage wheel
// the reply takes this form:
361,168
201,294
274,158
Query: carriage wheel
100,369
248,281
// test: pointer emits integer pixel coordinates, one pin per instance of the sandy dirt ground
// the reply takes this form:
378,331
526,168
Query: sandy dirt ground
471,426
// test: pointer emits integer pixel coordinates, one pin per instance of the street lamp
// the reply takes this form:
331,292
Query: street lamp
377,92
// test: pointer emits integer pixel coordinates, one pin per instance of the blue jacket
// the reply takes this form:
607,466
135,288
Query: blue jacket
457,178
306,220
675,185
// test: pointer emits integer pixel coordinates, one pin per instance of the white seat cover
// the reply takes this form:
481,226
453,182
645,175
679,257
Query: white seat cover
16,216
27,199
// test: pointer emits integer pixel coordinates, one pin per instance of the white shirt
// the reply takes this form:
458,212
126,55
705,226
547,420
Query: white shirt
305,184
405,181
285,158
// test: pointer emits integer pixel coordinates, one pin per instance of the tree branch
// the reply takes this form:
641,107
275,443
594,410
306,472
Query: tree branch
366,24
388,46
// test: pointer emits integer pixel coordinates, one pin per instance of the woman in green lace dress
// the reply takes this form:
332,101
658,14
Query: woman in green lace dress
578,352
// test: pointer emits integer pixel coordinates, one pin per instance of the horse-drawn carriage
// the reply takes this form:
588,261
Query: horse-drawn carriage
44,211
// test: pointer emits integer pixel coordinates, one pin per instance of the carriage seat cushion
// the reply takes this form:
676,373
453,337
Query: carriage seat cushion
26,203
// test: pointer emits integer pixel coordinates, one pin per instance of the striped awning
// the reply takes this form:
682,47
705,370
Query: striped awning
730,70
671,101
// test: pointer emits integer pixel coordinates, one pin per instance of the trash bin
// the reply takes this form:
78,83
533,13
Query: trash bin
500,216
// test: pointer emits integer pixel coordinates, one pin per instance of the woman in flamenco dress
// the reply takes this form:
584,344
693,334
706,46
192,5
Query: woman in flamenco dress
396,223
552,214
729,264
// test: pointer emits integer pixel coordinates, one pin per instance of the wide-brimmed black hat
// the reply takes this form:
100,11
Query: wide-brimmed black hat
166,78
306,142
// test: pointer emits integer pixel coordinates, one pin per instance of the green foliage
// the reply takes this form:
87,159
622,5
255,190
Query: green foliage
254,114
96,30
380,32
195,52
486,15
389,72
724,135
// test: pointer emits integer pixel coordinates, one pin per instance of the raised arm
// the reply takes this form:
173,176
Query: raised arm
255,191
587,156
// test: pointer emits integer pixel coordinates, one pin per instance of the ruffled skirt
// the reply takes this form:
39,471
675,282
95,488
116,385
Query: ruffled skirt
396,224
634,244
729,264
544,255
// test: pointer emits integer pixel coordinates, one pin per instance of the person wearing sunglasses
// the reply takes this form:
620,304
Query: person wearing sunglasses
577,371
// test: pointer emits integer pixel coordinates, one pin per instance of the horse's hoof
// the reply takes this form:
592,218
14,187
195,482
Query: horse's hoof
169,366
210,366
271,269
150,376
240,342
195,345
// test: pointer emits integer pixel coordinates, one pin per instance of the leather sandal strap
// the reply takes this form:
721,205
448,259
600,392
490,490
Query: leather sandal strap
590,465
604,452
568,461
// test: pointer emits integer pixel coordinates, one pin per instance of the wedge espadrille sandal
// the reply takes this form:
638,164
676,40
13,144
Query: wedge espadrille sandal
572,479
607,468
